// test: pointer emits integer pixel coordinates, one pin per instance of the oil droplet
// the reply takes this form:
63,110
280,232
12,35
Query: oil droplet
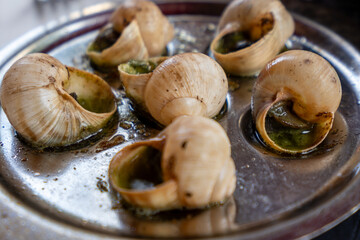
303,40
211,27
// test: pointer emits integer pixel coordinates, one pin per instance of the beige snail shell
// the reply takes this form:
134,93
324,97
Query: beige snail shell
38,96
310,85
264,24
186,84
144,32
134,79
196,167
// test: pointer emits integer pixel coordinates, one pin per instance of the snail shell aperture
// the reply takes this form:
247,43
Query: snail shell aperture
251,33
137,30
134,76
294,101
186,84
50,104
195,167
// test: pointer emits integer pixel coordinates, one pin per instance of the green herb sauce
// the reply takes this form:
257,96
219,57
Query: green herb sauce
139,67
232,42
288,130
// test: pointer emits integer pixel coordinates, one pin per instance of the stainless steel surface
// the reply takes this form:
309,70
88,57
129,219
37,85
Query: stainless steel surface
56,195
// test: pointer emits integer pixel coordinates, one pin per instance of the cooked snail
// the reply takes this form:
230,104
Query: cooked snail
185,84
251,33
134,76
136,30
188,165
50,104
294,101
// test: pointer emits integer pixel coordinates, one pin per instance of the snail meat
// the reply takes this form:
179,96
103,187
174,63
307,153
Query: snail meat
186,84
51,105
294,101
188,165
136,30
250,33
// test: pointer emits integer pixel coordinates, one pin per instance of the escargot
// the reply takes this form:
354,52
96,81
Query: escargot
294,101
188,165
136,30
185,84
50,104
250,33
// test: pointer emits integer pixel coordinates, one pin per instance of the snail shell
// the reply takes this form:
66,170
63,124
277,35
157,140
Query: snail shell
144,30
38,96
129,45
186,84
196,166
306,80
134,83
265,24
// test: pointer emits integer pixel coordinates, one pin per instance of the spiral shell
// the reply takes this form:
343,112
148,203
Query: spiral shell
311,86
186,84
129,45
134,83
264,24
196,166
144,32
38,96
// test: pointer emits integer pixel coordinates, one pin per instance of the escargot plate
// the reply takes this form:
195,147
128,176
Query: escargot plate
67,194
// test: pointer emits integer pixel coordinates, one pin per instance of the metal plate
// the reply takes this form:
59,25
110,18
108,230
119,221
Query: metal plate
56,195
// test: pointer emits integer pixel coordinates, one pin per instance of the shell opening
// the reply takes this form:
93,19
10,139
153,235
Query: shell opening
232,42
140,169
240,39
105,39
289,131
139,66
89,91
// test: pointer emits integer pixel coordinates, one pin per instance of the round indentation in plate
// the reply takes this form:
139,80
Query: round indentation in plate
334,140
248,130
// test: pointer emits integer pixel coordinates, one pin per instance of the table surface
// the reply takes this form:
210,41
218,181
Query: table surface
342,16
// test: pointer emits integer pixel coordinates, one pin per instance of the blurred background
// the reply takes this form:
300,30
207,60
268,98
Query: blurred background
18,17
